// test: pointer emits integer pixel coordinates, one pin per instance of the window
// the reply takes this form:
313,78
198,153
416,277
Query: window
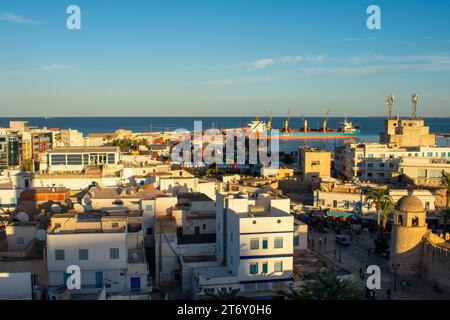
278,243
13,201
346,205
83,254
370,165
148,207
265,243
335,203
20,240
296,240
114,253
59,255
265,267
74,159
254,268
58,159
278,266
254,244
115,225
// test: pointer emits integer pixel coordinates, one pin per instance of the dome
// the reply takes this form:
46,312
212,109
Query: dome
410,204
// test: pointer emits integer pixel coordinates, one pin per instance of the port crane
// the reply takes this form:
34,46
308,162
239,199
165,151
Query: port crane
286,122
325,121
269,123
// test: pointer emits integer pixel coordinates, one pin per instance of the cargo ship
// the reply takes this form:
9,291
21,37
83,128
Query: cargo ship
346,130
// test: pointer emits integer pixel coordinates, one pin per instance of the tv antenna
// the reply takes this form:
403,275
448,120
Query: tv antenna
415,100
390,102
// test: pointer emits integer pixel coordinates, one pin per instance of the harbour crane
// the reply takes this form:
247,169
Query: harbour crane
269,123
325,121
286,122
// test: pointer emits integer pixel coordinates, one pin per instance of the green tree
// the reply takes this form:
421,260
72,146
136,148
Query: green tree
224,294
326,287
445,181
378,198
387,206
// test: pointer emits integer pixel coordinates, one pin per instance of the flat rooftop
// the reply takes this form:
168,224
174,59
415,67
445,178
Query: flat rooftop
84,150
123,193
194,196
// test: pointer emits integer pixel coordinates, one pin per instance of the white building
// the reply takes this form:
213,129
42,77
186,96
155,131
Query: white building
351,198
12,184
150,202
380,162
77,159
108,254
255,245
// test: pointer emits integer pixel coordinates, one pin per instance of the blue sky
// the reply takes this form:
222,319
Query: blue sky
211,57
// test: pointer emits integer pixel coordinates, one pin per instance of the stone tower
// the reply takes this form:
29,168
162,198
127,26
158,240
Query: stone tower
407,232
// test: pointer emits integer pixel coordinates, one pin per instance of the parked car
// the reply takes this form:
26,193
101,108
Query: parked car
343,241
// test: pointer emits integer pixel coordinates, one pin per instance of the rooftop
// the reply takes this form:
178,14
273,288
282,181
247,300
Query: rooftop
83,149
130,192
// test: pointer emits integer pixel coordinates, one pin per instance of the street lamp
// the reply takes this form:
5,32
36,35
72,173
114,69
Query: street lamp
395,266
339,245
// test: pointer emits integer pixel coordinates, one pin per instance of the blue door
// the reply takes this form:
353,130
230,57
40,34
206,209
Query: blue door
135,284
99,279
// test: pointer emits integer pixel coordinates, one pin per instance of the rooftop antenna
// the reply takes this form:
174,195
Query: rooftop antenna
390,102
415,100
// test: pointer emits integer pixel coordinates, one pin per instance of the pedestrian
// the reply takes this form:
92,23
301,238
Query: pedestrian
312,244
325,240
320,243
388,293
361,273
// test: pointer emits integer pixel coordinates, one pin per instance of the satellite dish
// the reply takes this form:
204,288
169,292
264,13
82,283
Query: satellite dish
78,208
41,235
56,208
22,217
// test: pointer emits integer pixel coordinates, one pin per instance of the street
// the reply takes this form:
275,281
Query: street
356,256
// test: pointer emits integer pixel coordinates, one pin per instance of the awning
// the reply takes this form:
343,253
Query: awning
346,215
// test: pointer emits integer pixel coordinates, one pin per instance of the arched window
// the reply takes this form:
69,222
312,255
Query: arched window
415,222
400,219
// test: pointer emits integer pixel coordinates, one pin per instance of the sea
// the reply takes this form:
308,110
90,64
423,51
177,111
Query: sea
370,126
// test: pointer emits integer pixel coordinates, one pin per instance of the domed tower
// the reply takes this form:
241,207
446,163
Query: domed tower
407,231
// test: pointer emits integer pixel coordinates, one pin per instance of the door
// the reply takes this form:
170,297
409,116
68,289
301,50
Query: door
197,231
135,284
99,279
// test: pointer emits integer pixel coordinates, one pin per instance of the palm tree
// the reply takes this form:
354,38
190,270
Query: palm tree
378,198
326,287
387,206
224,294
445,181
